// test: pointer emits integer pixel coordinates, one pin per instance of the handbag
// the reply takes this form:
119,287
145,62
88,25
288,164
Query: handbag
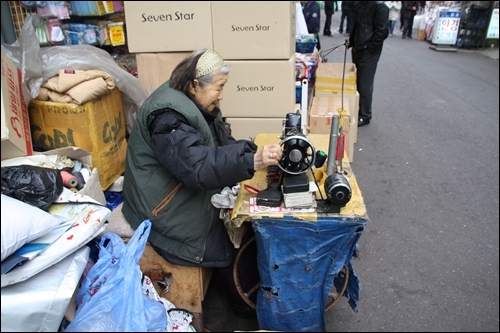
110,298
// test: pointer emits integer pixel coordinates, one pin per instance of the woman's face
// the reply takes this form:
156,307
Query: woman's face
208,97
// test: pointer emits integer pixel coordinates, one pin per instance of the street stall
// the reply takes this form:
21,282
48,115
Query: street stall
304,248
303,255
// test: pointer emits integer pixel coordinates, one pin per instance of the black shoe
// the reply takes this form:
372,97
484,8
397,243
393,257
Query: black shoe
409,36
363,122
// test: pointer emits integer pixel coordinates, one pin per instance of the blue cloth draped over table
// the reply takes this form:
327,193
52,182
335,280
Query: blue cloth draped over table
298,263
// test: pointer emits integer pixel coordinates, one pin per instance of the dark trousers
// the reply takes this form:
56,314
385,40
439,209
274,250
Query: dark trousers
407,26
366,66
318,44
342,18
327,30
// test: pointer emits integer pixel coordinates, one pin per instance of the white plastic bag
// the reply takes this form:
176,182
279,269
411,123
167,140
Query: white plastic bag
301,26
38,64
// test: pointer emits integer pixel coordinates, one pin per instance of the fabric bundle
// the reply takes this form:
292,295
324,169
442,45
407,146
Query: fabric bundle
76,86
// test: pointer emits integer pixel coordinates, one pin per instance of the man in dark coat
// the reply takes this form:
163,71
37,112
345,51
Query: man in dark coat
312,15
343,15
328,20
370,29
408,12
351,7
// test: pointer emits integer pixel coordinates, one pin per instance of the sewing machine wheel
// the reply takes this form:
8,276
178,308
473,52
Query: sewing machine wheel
298,155
246,295
333,296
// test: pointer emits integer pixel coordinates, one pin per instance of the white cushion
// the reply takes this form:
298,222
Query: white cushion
22,223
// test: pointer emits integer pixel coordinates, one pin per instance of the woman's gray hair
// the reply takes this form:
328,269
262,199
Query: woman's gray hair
209,78
185,73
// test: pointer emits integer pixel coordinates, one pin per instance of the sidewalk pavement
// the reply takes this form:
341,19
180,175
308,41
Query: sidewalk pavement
490,52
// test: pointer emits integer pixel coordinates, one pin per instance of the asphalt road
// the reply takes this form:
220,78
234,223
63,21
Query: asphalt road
428,169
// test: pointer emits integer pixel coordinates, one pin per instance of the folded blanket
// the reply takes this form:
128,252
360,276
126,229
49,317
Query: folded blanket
76,86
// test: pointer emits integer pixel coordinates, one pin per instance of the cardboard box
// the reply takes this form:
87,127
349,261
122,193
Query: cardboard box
168,26
259,89
153,69
329,76
248,128
97,126
250,30
320,120
329,82
16,136
353,105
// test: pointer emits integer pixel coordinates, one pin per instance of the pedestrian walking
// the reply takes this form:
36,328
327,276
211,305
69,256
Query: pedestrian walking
343,16
312,15
394,13
367,39
327,31
408,11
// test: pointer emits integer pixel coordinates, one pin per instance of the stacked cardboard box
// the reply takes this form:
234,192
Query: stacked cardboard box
335,80
320,119
16,136
97,126
257,40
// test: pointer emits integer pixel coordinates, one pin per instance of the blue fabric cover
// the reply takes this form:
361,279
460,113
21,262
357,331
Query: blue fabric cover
298,263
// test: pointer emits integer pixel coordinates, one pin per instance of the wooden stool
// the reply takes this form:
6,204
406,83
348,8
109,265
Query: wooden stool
188,284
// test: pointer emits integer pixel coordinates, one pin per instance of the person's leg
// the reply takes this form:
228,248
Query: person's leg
392,24
410,27
328,23
341,26
406,24
248,274
366,66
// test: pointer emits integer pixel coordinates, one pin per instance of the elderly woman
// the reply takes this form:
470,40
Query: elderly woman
181,153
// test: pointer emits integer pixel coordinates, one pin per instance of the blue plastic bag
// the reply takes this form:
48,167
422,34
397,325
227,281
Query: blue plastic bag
111,298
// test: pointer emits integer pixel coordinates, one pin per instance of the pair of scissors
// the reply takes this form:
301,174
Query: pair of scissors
251,189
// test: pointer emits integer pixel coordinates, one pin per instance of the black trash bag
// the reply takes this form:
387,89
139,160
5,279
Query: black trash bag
34,185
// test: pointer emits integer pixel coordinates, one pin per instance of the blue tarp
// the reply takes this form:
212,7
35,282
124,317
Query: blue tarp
298,263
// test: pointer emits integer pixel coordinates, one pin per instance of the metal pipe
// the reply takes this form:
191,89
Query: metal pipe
332,149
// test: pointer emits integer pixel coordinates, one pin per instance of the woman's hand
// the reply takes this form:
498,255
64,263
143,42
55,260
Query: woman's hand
268,155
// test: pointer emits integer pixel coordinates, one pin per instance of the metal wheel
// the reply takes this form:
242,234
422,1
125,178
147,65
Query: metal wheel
333,297
298,155
244,294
